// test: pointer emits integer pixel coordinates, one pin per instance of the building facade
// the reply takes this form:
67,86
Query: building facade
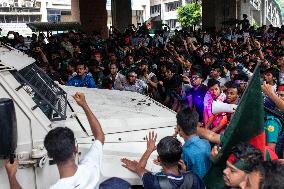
140,11
262,12
166,11
14,14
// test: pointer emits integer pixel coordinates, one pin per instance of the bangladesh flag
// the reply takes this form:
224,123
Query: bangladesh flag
247,125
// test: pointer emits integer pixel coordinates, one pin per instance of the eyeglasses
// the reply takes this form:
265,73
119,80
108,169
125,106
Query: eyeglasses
132,75
195,77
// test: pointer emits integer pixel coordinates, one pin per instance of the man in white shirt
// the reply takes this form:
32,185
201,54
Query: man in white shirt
215,73
60,145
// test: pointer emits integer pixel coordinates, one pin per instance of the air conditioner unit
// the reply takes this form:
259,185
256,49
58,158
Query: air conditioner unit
5,4
17,4
28,4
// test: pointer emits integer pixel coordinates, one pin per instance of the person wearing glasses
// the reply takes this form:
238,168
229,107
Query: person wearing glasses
196,94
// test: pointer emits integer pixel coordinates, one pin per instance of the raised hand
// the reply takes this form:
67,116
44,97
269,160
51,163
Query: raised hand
80,99
151,141
129,164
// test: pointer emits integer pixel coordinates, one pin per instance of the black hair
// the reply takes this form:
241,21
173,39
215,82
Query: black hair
81,63
187,119
60,144
241,77
93,63
273,71
271,173
169,150
248,153
113,63
212,82
171,67
232,85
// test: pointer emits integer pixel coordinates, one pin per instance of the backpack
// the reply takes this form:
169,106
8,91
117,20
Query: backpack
164,182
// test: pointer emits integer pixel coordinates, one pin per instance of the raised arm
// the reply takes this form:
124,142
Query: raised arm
269,91
140,167
209,135
93,121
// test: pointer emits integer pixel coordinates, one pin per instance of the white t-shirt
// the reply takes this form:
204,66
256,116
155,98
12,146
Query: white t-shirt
88,173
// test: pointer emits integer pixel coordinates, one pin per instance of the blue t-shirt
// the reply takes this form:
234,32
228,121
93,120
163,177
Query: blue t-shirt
196,155
85,81
150,181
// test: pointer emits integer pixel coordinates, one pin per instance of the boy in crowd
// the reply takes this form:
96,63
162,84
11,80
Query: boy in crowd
232,97
169,153
214,93
196,151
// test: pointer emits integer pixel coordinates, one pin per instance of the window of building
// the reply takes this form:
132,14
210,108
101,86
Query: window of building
53,15
155,9
172,23
172,6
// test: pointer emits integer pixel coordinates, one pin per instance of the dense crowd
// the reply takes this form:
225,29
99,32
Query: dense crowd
186,71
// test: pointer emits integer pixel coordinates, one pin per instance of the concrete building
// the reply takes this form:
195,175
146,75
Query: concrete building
139,14
166,11
262,12
93,14
14,14
22,11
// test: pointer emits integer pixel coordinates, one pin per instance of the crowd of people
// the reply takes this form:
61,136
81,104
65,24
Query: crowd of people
185,71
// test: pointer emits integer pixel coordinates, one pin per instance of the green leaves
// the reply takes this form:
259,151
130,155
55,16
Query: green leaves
189,15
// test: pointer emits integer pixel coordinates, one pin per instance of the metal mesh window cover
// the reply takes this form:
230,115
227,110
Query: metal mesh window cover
48,96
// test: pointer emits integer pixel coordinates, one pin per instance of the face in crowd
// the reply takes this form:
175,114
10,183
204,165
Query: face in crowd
232,95
132,77
280,61
81,70
233,176
113,69
268,77
196,80
215,73
142,67
98,57
129,60
215,91
112,57
168,74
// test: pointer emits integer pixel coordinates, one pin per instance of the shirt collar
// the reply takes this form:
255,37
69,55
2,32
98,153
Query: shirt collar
191,140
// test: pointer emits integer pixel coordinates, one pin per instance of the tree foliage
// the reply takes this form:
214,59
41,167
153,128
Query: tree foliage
189,14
